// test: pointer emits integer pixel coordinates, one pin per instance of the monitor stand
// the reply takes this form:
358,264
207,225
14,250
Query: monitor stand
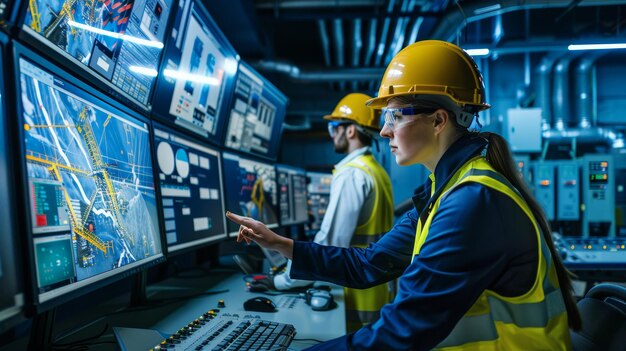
41,333
138,293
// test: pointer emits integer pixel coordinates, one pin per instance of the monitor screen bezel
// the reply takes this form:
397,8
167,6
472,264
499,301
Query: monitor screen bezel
34,304
247,157
177,249
162,115
291,169
277,128
9,316
39,44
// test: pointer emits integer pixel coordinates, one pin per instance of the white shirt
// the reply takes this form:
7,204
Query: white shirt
350,205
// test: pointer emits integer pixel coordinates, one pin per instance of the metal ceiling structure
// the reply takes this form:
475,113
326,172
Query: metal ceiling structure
316,51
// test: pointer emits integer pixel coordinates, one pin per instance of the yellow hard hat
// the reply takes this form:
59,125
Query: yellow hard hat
352,108
435,69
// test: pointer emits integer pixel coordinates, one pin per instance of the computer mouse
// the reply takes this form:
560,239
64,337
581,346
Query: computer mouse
321,300
259,304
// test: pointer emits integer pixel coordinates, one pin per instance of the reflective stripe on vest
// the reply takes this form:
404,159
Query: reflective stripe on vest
362,305
535,320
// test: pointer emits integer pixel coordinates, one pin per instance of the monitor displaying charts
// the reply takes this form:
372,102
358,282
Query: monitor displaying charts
256,115
250,188
190,178
89,183
197,73
119,42
292,195
318,195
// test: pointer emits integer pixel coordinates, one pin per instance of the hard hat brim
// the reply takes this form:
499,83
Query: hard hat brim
381,102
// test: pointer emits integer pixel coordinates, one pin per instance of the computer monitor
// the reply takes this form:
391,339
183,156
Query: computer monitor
118,42
292,200
190,178
11,293
88,185
318,194
250,188
197,73
256,115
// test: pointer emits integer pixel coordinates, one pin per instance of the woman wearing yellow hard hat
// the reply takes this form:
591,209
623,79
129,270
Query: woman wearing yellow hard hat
476,264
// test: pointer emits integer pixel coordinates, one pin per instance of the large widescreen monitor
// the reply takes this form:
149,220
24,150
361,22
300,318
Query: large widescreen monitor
256,115
292,200
250,188
190,178
11,293
118,42
197,73
88,184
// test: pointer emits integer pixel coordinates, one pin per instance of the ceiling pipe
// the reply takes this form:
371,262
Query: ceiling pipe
560,94
543,87
358,46
339,47
371,42
398,35
321,75
380,50
453,20
321,25
584,91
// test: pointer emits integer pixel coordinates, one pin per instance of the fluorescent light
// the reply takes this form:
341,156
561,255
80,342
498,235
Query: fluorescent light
154,44
146,71
477,52
486,9
230,66
596,46
190,77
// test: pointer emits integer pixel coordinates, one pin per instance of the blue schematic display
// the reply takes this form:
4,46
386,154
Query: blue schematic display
256,115
250,188
198,72
292,195
121,40
191,190
92,191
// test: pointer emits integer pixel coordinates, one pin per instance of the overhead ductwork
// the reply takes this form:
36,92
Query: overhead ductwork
561,111
543,86
321,75
454,19
585,91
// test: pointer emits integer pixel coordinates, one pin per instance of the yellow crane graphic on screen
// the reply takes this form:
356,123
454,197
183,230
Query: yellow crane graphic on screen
100,173
34,11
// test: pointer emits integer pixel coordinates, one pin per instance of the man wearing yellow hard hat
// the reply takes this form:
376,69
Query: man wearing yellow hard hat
476,264
360,208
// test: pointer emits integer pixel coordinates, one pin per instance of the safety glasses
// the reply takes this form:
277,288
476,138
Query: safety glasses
332,127
398,118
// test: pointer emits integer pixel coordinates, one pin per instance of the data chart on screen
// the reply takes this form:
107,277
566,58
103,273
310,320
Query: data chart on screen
191,190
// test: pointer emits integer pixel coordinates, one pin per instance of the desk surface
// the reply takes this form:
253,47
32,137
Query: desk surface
183,299
292,309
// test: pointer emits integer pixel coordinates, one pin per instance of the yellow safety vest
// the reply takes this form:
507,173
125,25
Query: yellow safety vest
363,305
535,320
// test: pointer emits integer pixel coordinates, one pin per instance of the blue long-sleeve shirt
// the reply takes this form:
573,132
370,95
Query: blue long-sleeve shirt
479,239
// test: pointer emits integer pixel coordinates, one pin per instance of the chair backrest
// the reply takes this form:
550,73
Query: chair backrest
603,312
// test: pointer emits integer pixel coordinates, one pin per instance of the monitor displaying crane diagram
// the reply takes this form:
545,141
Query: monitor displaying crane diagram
89,181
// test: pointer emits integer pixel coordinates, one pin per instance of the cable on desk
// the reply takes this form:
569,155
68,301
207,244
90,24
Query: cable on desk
106,327
317,341
82,347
